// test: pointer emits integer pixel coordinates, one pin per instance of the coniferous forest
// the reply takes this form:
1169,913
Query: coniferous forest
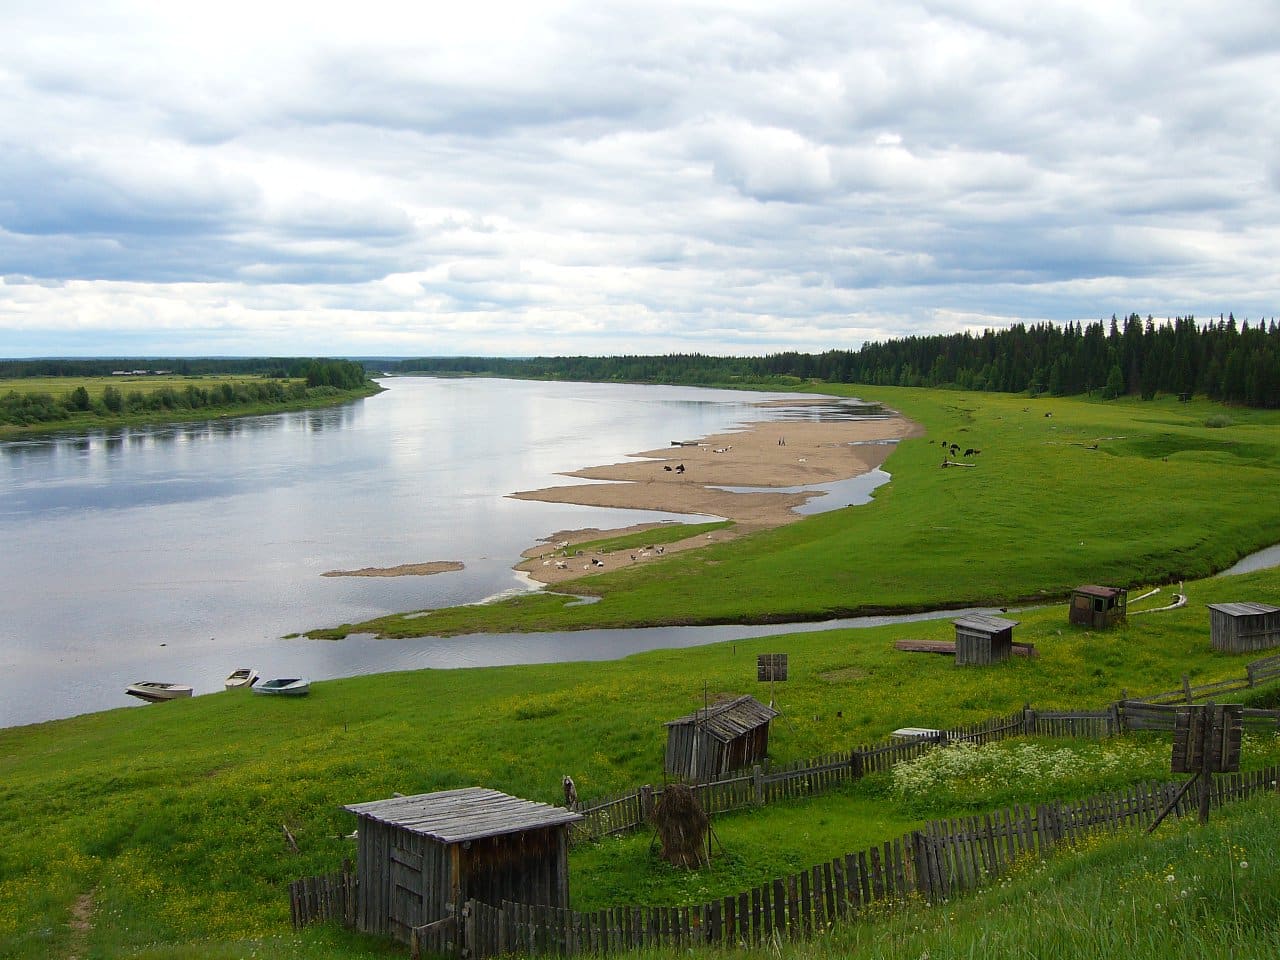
1237,363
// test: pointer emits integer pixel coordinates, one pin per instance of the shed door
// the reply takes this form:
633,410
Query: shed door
406,889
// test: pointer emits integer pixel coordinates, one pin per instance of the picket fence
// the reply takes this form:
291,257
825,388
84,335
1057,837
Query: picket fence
946,858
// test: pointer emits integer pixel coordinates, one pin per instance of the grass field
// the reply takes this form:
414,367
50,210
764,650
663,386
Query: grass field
1065,491
172,815
162,827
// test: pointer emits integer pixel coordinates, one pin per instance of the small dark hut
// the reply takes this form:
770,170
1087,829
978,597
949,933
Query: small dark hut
1243,627
416,855
723,737
982,640
1098,607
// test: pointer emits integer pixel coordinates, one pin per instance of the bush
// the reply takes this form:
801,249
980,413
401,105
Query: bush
1219,420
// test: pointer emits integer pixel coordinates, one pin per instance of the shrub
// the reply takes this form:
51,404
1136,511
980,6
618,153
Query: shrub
1219,420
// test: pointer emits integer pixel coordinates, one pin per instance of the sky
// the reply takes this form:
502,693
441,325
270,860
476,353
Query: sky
734,178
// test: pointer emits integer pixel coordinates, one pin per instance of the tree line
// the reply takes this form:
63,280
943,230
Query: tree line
1237,363
299,381
343,374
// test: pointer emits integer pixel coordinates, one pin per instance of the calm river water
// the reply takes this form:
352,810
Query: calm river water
179,552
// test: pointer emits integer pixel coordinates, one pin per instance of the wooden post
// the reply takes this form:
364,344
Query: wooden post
646,803
757,785
1186,687
856,764
1028,720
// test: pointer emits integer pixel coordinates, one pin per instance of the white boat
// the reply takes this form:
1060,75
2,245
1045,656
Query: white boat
155,692
285,687
240,678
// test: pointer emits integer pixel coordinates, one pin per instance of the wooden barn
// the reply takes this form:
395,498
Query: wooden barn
1243,627
1098,607
717,739
981,640
416,855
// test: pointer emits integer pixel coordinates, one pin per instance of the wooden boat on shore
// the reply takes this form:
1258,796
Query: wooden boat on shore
284,687
240,678
155,692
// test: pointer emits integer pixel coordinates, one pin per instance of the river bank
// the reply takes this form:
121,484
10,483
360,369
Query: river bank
750,477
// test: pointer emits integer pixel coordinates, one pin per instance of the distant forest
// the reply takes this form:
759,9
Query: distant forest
343,374
1218,359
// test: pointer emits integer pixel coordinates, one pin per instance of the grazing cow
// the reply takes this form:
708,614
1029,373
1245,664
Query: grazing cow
972,452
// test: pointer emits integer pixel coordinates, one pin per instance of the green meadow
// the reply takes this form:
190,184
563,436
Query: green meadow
160,831
170,818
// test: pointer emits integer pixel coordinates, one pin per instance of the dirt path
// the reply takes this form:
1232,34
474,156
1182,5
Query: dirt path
81,925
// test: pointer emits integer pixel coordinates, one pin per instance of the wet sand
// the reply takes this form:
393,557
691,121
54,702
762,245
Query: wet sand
682,479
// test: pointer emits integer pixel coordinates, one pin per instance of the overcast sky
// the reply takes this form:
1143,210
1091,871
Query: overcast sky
365,178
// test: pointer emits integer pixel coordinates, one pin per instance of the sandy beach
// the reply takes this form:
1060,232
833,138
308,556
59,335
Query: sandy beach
683,479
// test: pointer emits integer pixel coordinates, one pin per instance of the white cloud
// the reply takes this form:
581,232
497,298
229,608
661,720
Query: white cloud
570,177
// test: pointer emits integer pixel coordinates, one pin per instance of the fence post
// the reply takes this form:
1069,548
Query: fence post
757,785
1186,687
920,852
646,803
857,764
1028,720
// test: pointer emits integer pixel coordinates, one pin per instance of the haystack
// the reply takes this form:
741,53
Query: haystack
682,825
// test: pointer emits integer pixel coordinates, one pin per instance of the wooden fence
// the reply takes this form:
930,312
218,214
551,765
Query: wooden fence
628,811
329,897
931,865
334,896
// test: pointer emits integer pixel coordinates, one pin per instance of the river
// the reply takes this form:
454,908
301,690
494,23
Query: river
179,552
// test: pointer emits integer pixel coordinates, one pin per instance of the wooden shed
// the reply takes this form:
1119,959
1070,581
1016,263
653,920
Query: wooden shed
416,855
981,640
1243,627
1098,607
717,739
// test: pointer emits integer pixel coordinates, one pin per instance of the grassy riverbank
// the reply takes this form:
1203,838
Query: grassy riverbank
31,406
1065,491
165,823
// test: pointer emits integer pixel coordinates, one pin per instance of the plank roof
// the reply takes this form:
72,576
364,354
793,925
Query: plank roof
1245,609
731,719
454,816
1093,590
985,624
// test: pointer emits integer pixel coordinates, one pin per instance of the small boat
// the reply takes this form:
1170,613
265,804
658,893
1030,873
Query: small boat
285,687
154,692
240,678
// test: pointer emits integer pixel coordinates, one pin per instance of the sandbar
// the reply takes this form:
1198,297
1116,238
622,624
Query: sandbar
685,479
403,570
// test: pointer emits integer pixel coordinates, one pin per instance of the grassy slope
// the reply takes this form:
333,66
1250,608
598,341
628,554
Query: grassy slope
1161,498
172,814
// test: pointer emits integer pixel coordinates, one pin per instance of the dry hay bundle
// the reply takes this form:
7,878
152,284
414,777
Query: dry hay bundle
682,825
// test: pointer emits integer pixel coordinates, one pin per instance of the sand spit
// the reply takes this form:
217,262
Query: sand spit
685,478
403,570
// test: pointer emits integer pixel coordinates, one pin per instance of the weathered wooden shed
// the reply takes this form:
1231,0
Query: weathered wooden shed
1243,627
1098,607
416,855
715,740
981,640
